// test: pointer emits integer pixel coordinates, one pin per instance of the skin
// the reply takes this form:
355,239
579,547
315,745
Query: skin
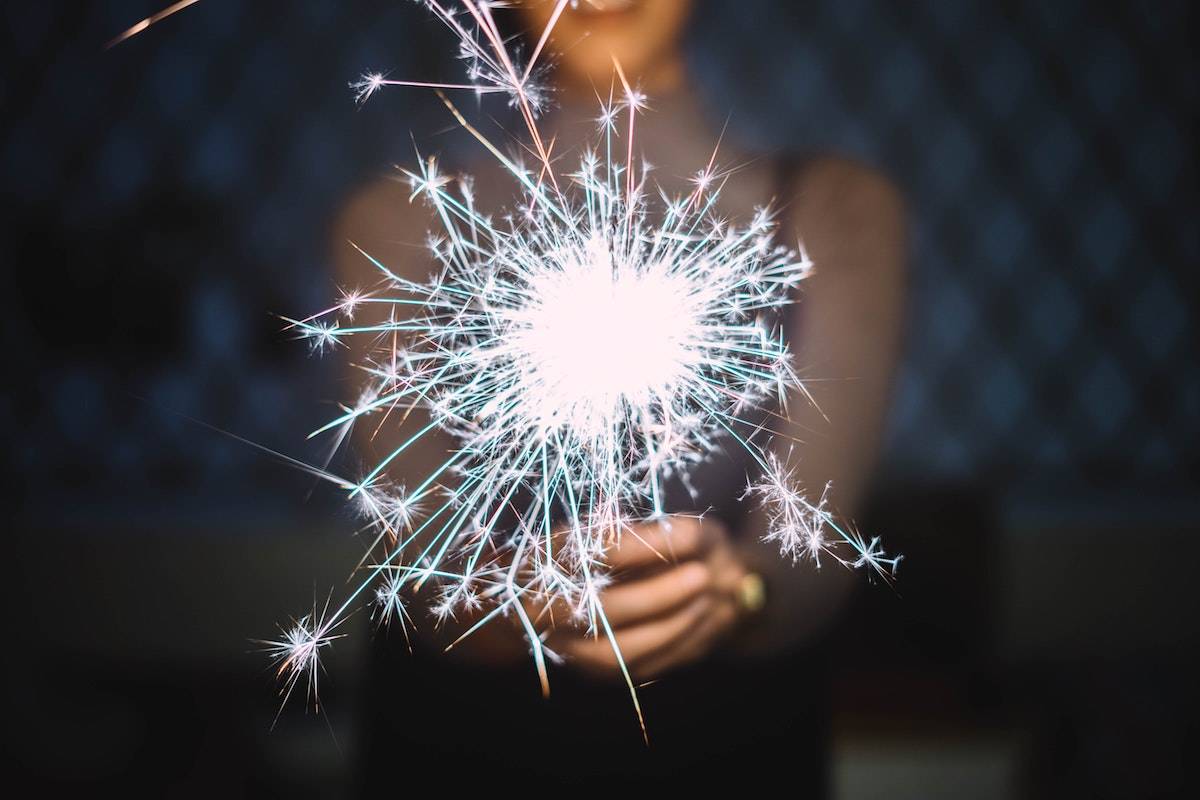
673,598
643,36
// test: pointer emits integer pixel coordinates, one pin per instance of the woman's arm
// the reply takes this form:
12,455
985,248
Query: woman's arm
382,222
846,340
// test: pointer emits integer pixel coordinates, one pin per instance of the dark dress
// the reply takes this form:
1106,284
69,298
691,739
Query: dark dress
715,725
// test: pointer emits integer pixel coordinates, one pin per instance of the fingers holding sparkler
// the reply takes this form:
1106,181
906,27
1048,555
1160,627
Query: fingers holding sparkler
671,595
658,542
638,644
630,602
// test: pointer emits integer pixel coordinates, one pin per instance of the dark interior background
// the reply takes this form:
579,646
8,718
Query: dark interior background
164,198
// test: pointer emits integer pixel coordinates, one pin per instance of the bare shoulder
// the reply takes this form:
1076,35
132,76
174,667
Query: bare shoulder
842,192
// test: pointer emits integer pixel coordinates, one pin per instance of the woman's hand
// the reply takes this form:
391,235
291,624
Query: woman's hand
673,598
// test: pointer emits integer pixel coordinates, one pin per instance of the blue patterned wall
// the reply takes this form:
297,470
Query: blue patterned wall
1047,151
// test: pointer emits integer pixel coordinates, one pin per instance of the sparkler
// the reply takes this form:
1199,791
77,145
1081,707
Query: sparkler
602,338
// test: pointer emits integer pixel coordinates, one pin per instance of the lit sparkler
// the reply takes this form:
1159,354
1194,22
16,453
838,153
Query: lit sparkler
605,337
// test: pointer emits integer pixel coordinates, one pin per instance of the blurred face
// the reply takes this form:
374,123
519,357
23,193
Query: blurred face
643,35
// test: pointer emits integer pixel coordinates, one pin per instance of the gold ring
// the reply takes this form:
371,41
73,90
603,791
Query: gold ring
752,593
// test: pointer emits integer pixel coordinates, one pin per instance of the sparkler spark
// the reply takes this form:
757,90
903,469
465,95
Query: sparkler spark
603,337
143,24
297,653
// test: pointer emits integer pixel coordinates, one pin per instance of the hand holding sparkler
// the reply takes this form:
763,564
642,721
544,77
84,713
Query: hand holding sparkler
674,596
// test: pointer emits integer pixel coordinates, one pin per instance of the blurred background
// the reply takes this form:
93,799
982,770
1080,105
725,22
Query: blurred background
163,199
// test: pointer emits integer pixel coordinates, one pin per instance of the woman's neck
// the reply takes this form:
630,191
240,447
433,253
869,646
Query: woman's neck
663,76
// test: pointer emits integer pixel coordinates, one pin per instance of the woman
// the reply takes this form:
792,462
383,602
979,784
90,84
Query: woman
731,681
